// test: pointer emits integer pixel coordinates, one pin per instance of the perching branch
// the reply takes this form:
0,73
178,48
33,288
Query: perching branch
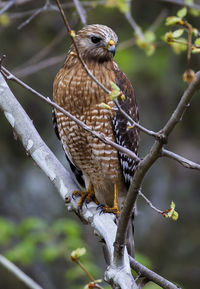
30,283
103,224
145,164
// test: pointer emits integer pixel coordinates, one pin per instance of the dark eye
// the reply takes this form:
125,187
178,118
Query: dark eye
95,39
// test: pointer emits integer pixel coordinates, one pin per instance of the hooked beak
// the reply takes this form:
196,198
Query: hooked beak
111,47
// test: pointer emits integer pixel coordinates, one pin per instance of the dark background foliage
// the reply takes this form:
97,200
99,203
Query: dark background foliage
36,232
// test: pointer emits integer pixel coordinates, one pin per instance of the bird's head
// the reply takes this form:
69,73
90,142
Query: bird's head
96,42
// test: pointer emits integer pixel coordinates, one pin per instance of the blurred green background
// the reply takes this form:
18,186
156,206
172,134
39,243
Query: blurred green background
36,231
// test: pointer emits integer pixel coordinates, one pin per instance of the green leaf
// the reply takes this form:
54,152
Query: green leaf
172,213
171,20
177,33
195,50
149,36
194,12
4,20
76,254
182,12
197,42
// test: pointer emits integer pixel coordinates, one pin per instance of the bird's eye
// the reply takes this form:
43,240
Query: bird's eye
95,39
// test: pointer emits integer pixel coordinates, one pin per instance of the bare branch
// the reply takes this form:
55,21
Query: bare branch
151,275
183,3
81,11
54,8
133,24
145,164
150,203
158,20
30,283
136,124
102,137
183,161
7,6
39,66
46,7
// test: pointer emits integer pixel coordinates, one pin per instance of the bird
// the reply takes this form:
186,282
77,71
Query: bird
104,173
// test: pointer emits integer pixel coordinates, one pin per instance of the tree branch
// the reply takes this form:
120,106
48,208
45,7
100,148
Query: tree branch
151,275
18,273
183,161
145,164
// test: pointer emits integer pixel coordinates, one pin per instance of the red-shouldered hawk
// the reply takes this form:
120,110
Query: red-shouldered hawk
103,170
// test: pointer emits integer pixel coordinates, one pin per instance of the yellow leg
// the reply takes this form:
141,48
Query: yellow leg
115,208
86,196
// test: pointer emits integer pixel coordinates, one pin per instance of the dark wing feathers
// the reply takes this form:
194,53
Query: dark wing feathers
124,136
77,173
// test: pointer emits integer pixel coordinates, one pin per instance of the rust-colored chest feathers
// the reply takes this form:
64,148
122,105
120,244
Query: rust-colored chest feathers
76,91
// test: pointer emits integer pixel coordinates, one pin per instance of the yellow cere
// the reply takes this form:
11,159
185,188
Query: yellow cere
111,42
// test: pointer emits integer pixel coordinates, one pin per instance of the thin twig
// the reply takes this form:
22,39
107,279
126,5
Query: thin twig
53,8
133,24
42,53
150,203
136,124
7,6
101,137
151,275
24,72
183,161
84,269
158,20
36,13
81,11
183,3
30,283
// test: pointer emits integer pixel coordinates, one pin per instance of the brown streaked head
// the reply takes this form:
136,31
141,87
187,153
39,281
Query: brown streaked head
96,42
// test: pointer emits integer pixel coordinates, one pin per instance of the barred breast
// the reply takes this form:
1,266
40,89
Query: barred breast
77,93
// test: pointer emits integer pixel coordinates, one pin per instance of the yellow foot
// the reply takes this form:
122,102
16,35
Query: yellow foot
86,196
115,208
106,209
